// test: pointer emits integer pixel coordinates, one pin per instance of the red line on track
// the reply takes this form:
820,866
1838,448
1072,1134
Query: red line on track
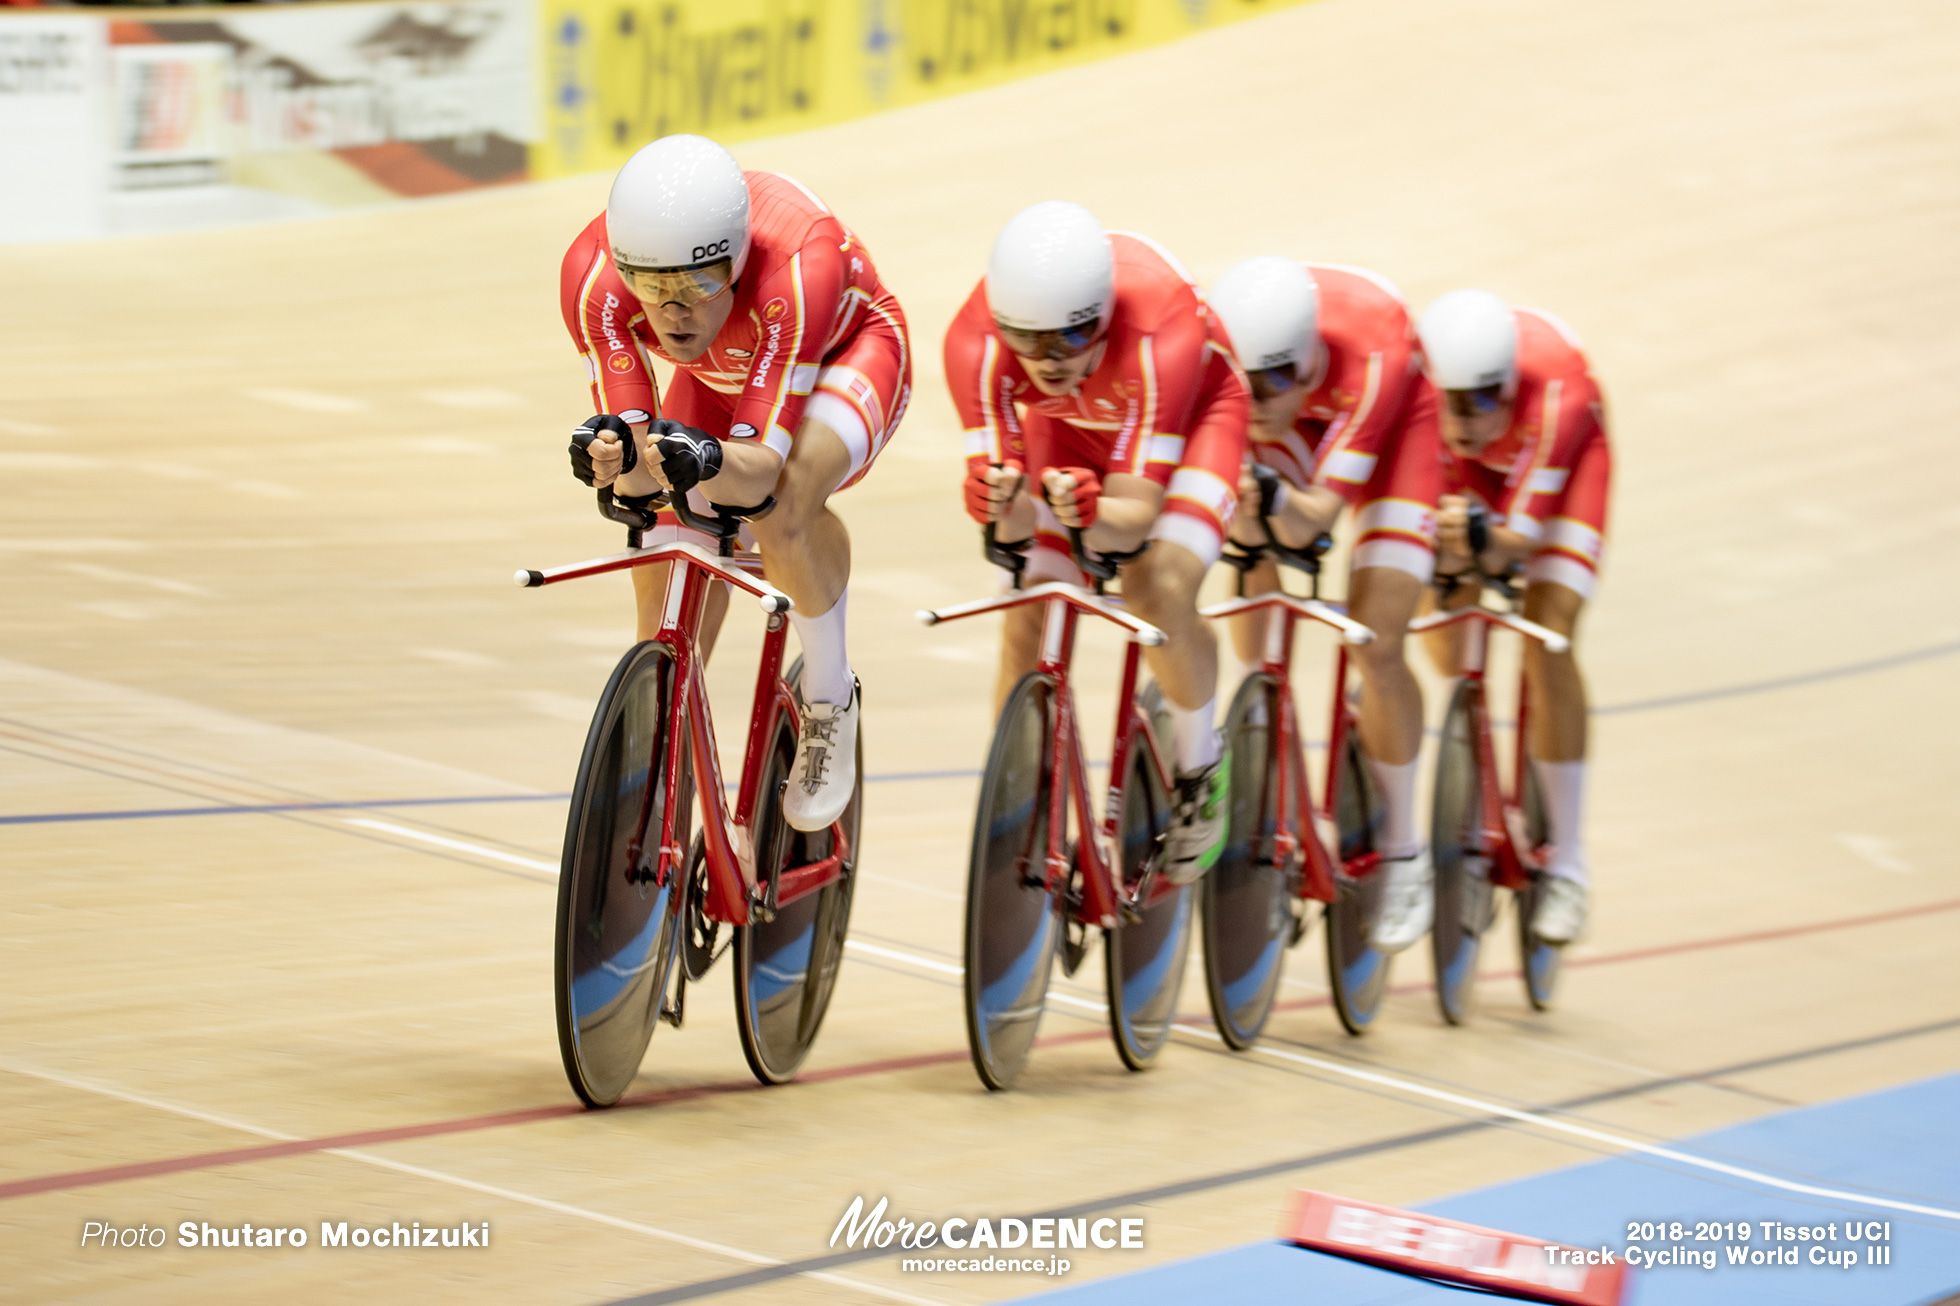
892,1065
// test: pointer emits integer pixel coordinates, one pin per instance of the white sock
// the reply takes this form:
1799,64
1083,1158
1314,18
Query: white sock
1397,787
1194,736
1564,787
826,664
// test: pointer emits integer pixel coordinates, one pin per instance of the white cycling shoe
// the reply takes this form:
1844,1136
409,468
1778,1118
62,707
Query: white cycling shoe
1408,902
824,774
1561,914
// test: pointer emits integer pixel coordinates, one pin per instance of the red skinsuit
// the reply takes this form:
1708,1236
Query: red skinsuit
1166,402
809,315
1547,477
1357,432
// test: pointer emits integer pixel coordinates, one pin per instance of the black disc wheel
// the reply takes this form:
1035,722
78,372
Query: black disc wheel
1465,903
1357,970
786,967
1246,923
1013,923
618,931
1143,954
1537,959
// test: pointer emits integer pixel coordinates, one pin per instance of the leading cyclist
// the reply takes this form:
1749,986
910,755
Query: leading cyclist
1085,368
1525,428
1337,419
792,369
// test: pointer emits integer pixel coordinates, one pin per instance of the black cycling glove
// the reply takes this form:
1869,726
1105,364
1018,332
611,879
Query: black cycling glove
588,431
688,456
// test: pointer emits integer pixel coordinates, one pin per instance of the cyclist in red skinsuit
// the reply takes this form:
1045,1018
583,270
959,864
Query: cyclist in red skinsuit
1132,425
1337,409
1531,447
792,369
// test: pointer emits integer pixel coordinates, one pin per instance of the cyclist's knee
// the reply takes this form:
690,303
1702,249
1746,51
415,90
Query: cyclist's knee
1163,582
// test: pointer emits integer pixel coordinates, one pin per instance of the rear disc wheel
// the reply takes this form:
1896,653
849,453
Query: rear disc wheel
617,931
1143,959
1357,970
786,968
1464,898
1538,960
1013,921
1243,901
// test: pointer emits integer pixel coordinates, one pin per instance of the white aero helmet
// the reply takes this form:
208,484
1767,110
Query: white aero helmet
1051,271
679,204
1271,309
1469,341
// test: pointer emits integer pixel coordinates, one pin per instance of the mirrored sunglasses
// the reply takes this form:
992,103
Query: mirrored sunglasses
1066,343
1474,403
684,286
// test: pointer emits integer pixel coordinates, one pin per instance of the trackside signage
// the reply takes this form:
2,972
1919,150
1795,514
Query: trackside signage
1436,1248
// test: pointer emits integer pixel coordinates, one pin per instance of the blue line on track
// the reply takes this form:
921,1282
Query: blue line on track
1867,667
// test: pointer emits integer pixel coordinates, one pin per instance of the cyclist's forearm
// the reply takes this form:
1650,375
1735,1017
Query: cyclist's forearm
1507,548
749,473
1304,514
1121,524
1018,522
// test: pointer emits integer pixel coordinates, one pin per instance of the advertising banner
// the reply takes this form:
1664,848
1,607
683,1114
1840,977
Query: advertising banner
337,104
51,136
615,74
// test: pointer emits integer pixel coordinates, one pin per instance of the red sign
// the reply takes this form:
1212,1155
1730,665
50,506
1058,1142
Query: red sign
1436,1248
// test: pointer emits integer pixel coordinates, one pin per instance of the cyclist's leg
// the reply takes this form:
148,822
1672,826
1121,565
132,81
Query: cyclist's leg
859,397
1162,587
1249,628
1394,558
1559,581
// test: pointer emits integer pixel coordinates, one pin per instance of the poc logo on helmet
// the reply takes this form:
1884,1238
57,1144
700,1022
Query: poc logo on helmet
1084,314
714,250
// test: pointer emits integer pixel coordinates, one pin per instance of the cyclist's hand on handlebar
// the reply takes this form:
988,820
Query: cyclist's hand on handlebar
683,456
602,450
1453,553
1073,494
990,490
1247,528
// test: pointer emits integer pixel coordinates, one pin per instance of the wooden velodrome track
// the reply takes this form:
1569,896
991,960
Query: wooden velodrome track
263,490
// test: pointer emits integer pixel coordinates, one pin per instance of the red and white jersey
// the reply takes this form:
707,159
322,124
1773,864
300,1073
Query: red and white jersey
807,287
1556,416
1351,418
1166,362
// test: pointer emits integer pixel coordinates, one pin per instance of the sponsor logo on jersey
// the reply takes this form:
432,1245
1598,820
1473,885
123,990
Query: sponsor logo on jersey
607,325
741,431
739,353
1106,403
775,310
621,362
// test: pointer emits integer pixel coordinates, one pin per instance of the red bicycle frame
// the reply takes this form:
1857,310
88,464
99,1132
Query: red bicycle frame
1502,837
1063,604
734,894
1319,861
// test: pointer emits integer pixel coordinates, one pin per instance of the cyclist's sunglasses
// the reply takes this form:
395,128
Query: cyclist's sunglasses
1065,343
1474,403
684,286
1271,382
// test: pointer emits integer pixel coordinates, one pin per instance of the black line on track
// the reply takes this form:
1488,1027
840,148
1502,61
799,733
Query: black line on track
1312,1160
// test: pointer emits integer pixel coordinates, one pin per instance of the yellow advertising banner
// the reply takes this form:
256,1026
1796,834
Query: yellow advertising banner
615,74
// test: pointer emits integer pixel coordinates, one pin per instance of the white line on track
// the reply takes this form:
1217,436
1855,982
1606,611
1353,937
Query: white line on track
455,1181
459,845
946,968
1531,1118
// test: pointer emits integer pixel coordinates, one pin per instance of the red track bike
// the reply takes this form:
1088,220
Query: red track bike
1284,851
1044,870
1485,835
640,907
